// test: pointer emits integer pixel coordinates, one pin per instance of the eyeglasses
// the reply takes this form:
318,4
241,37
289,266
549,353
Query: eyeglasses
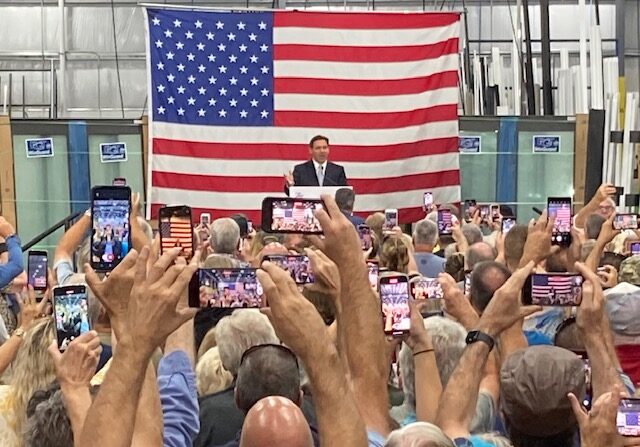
255,348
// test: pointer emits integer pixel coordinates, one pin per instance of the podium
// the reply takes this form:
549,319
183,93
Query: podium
314,192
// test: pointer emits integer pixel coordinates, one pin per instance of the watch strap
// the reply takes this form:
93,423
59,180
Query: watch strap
475,336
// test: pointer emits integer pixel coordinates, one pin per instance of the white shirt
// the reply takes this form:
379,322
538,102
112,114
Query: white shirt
316,165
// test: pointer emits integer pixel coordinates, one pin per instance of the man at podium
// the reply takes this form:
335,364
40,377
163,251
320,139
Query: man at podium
318,171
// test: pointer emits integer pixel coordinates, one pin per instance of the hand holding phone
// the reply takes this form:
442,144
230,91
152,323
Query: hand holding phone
174,224
560,208
553,289
111,238
394,299
70,313
508,222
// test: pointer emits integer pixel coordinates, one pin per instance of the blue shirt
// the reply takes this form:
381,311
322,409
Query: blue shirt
374,439
429,265
14,266
179,399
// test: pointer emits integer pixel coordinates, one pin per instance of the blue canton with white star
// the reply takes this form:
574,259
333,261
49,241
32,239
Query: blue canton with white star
211,68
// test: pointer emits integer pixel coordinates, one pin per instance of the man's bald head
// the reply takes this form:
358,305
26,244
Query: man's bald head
479,252
275,421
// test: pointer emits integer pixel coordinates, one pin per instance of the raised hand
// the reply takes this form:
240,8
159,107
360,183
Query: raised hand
456,303
590,313
505,309
538,245
77,364
30,310
598,427
326,273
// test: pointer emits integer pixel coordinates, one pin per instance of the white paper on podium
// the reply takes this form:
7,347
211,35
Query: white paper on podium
314,192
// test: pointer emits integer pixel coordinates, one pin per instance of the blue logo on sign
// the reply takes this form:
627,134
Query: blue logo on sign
113,152
546,143
469,145
39,147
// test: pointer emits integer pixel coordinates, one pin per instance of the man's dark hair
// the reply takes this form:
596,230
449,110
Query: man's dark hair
479,252
613,259
318,138
514,244
486,278
518,439
345,198
47,422
267,371
593,225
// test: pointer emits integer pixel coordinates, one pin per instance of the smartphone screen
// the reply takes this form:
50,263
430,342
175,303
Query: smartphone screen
37,264
290,215
175,230
507,224
427,201
467,283
485,211
394,298
119,181
249,226
365,237
625,222
634,248
628,417
70,310
111,240
495,213
470,207
298,266
225,288
426,288
445,222
373,274
553,289
560,207
390,219
205,219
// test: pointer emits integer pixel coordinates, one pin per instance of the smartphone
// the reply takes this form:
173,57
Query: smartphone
298,266
508,223
485,211
37,263
249,226
390,220
553,289
588,387
70,313
467,283
119,181
633,247
445,222
394,299
111,238
374,272
470,207
560,207
625,222
628,417
225,288
290,215
174,225
366,240
495,213
427,201
426,288
205,219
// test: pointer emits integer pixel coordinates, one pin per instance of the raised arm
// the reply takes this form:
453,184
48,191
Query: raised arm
605,191
607,233
538,245
458,400
298,324
14,265
364,345
151,316
72,238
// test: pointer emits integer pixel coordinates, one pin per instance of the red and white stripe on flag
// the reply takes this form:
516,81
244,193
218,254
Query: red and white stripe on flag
382,86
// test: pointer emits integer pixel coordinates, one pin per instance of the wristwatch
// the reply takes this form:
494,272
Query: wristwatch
475,336
19,332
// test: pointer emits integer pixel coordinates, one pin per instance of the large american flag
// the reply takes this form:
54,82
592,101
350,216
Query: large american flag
236,96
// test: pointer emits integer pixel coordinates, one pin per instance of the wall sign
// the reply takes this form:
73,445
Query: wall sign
470,145
113,152
39,147
546,143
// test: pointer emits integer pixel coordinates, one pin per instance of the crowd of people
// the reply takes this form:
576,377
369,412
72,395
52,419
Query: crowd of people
313,366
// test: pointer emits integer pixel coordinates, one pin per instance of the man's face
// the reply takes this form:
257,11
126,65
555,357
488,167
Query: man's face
319,151
606,208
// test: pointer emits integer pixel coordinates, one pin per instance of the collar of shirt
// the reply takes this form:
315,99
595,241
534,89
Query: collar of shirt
316,164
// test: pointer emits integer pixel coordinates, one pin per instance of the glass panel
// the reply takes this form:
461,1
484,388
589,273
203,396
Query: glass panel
104,173
42,191
542,175
478,171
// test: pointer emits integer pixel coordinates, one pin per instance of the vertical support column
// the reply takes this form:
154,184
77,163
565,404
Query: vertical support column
546,58
146,175
580,161
7,179
79,182
507,162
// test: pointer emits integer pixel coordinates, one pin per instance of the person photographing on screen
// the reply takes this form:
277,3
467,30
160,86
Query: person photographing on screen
318,171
